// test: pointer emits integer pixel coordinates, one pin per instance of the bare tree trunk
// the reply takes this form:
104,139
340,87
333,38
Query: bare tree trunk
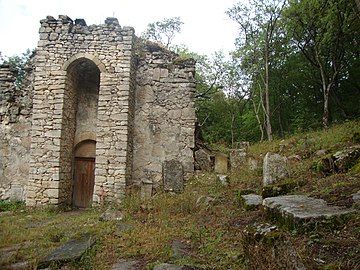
267,99
232,128
256,110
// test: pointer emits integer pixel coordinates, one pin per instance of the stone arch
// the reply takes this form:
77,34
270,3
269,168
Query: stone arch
85,149
79,124
88,56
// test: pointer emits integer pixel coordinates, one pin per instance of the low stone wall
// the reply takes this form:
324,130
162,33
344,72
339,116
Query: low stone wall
15,125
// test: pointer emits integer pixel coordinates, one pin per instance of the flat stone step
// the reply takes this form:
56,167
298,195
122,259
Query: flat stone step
251,201
301,209
70,251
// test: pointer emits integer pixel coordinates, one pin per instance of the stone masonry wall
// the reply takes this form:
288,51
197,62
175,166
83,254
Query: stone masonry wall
15,125
164,113
136,102
62,43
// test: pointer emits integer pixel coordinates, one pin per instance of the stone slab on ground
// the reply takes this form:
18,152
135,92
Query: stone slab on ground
168,266
251,201
70,251
301,209
127,265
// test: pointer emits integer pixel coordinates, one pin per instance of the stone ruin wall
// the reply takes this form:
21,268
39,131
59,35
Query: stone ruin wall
145,114
15,125
164,114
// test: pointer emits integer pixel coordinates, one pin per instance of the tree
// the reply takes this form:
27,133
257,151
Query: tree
17,63
163,31
259,26
327,33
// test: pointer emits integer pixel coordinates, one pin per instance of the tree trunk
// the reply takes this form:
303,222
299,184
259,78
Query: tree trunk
232,129
267,99
258,119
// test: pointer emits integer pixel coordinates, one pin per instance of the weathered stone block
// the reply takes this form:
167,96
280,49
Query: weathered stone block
173,176
237,158
221,163
275,167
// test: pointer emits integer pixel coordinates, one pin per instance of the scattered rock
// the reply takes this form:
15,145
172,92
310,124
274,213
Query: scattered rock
321,152
204,200
251,201
173,176
179,249
356,196
266,239
126,265
345,159
122,227
17,266
340,162
168,266
303,210
294,158
356,199
111,215
275,168
203,160
237,158
223,179
221,163
242,145
70,251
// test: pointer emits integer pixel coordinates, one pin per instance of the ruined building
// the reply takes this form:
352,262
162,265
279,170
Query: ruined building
99,111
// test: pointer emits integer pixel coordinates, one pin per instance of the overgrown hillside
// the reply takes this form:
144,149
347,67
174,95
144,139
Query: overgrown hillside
207,226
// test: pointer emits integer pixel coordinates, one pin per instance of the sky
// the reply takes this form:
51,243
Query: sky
206,27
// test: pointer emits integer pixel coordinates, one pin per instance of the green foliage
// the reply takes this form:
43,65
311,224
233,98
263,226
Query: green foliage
6,205
163,31
17,63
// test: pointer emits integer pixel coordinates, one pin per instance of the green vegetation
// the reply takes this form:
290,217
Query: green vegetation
213,230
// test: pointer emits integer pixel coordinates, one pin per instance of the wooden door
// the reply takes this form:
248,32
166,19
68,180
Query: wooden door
84,176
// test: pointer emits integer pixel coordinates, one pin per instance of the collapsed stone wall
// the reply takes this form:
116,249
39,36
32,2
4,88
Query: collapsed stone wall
15,125
164,113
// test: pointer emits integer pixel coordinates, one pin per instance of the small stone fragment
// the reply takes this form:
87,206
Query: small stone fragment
223,179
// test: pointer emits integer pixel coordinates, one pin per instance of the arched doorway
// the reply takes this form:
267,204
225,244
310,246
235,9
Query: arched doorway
84,173
80,119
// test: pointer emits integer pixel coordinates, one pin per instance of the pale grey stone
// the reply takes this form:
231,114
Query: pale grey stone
275,168
70,251
223,179
251,201
302,208
126,265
